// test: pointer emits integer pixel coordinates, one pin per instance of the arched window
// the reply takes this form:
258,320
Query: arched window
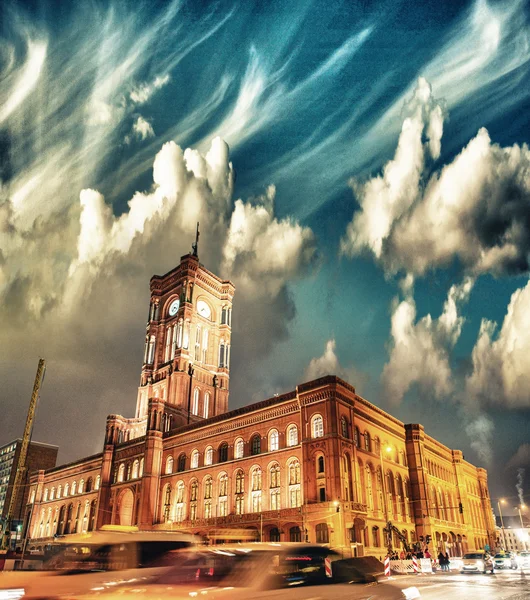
204,345
223,452
194,463
240,493
89,484
141,471
320,464
45,497
317,426
240,482
206,407
255,444
92,516
256,490
377,445
322,533
195,403
151,350
167,351
52,494
179,502
274,475
356,436
169,465
194,491
208,487
59,492
369,492
179,334
167,503
208,456
74,484
222,354
66,489
294,473
181,463
239,448
274,441
198,343
375,537
81,486
292,435
344,427
135,469
274,535
367,442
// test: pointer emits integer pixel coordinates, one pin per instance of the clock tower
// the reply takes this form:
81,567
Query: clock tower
186,360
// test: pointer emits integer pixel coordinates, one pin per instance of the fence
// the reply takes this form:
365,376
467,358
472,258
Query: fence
425,565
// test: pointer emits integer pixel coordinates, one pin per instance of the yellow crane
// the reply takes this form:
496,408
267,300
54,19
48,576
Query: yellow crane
21,466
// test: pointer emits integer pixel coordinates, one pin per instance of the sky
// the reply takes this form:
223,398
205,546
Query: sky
360,171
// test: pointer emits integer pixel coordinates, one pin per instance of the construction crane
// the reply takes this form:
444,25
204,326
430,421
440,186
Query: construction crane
21,467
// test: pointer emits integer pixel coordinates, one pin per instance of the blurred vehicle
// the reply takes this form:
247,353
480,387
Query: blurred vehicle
523,560
505,561
83,561
477,562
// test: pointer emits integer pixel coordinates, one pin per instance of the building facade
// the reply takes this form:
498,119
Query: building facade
318,464
40,456
513,534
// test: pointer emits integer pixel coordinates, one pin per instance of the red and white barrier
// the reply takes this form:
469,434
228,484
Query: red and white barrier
327,566
387,566
415,565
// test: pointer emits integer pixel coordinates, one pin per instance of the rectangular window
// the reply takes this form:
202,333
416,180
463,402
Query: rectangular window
240,499
207,509
294,497
275,499
322,494
223,506
256,502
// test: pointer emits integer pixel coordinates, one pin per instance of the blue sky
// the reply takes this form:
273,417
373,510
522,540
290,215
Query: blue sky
360,172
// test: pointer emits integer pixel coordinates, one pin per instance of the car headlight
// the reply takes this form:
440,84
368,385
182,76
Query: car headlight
480,564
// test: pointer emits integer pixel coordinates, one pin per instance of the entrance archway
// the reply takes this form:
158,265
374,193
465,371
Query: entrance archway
126,508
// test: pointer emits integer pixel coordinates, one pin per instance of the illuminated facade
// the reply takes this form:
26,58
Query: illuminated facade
319,463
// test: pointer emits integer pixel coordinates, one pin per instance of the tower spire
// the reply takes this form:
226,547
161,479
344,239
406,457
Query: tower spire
195,245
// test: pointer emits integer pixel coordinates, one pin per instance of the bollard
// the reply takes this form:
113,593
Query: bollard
327,565
387,566
415,565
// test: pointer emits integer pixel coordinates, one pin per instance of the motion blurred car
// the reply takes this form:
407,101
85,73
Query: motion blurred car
477,562
505,561
84,561
523,560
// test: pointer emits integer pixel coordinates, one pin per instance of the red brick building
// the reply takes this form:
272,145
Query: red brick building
319,463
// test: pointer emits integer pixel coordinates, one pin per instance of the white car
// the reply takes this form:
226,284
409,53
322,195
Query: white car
477,562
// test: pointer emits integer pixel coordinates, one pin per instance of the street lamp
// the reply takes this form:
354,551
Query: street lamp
523,538
502,501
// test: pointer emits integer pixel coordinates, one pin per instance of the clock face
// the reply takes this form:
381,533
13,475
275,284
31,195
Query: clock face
173,308
203,309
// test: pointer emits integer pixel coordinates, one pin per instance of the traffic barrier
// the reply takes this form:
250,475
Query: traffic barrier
327,566
415,567
387,566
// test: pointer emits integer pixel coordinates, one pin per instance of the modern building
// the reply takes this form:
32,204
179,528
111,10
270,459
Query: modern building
40,456
512,535
318,463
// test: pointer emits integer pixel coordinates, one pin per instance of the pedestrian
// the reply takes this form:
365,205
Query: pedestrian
427,554
441,560
447,562
402,555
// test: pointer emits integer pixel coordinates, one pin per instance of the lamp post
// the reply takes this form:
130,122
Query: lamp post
501,500
523,539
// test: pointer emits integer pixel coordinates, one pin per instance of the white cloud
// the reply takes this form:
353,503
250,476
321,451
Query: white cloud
419,350
263,251
142,93
328,364
142,128
415,222
501,364
385,199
